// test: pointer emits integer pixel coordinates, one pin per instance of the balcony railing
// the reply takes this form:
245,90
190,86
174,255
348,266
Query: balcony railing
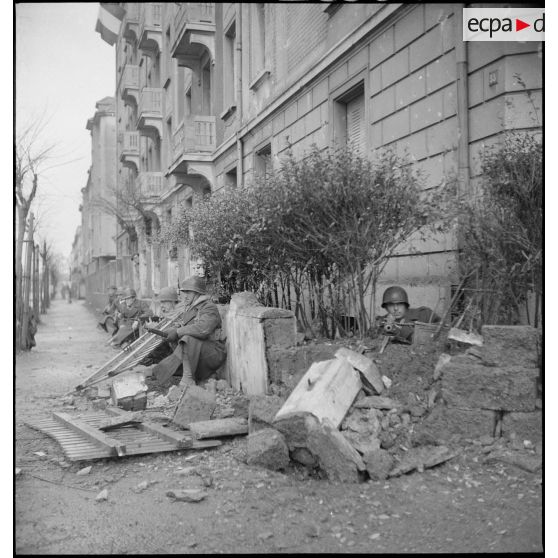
151,102
194,13
195,135
149,17
150,183
131,142
130,79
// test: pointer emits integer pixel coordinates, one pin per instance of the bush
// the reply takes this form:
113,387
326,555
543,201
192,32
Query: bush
501,248
319,230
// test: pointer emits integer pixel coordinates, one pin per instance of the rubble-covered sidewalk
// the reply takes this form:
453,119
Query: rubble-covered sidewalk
217,500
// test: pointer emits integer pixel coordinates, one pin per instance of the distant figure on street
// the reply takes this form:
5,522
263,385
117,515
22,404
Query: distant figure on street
396,302
109,310
197,348
129,314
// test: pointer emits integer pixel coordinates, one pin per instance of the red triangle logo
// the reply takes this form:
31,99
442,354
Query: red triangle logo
519,25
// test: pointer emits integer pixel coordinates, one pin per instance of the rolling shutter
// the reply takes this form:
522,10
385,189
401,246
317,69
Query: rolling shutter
356,131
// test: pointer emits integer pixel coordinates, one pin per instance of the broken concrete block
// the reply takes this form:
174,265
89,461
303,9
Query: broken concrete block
526,426
363,421
386,381
512,345
378,464
467,337
327,390
187,495
262,410
421,458
369,373
377,402
84,471
267,448
525,461
322,442
196,404
443,423
222,385
362,442
468,385
129,392
280,332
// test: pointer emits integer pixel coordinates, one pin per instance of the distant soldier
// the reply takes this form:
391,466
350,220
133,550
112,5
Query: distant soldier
109,310
129,314
197,350
400,318
168,299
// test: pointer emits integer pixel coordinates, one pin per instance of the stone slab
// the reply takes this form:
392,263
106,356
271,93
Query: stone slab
378,464
513,345
469,385
196,404
443,424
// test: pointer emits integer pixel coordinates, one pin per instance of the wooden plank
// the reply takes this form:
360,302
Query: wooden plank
91,433
177,438
370,375
327,390
219,427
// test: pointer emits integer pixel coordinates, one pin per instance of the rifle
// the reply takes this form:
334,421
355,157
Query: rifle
390,328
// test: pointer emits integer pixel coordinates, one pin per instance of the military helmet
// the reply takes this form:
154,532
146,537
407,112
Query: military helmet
395,295
168,294
194,283
129,293
112,288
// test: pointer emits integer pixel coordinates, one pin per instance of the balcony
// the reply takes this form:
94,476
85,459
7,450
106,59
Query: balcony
195,135
150,27
130,85
130,22
150,184
129,156
150,111
193,32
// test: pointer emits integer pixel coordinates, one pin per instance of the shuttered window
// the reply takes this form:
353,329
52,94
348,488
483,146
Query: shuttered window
356,131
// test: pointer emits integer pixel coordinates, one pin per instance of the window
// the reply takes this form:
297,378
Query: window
349,119
230,178
229,66
262,161
257,39
206,89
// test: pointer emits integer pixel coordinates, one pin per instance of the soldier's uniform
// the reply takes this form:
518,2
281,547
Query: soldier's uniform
128,315
198,349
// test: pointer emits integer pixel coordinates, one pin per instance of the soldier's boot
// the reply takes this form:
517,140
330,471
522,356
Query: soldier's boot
187,375
164,370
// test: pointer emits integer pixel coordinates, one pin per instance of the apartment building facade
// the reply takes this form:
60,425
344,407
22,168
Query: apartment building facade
210,95
96,247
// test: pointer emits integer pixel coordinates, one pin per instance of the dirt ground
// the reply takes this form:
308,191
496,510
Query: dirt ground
460,506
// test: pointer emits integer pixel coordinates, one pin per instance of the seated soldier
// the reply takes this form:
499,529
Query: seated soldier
198,351
168,299
396,302
130,312
110,309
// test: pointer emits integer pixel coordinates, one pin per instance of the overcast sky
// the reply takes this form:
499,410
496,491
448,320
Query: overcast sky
62,68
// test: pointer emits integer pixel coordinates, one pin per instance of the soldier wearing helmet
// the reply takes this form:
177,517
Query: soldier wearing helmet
198,350
109,310
396,302
130,312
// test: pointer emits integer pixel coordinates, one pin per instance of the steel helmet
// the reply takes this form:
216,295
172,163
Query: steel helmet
395,295
194,283
168,294
129,293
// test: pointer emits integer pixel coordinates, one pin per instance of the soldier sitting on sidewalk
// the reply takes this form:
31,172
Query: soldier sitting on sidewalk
197,350
109,310
396,303
130,312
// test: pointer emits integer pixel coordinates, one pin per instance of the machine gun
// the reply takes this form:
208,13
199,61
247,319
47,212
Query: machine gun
390,328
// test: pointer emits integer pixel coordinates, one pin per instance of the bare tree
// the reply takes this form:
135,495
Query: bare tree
30,156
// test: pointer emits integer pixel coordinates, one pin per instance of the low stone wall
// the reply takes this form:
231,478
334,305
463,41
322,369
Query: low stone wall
490,390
